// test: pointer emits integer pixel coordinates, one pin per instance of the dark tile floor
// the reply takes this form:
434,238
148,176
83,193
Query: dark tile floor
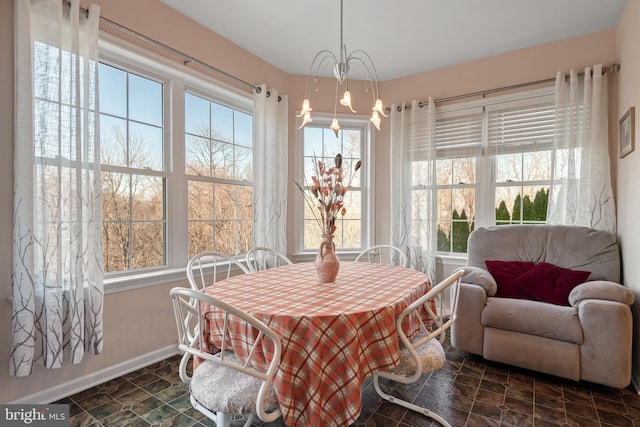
468,391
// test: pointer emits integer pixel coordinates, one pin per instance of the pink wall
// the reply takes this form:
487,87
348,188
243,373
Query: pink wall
161,23
628,168
521,66
6,193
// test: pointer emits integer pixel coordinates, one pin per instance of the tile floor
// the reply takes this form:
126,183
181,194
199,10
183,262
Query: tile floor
468,391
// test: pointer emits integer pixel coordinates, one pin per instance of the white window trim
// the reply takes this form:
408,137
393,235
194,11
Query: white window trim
368,196
177,78
485,163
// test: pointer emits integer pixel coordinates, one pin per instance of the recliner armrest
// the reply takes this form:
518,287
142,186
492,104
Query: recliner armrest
600,289
480,277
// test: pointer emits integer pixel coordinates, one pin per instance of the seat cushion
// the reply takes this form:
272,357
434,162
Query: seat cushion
431,355
221,389
533,318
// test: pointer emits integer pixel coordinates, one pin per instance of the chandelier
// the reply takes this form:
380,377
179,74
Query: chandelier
342,65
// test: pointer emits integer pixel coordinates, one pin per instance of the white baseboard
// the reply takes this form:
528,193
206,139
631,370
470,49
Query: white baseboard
77,385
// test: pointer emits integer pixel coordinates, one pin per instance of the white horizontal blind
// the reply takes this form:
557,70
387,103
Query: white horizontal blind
519,126
459,133
415,131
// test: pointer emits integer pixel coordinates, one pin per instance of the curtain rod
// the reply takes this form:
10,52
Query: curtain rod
186,59
605,69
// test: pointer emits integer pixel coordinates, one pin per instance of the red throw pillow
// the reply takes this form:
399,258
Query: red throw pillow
506,273
550,283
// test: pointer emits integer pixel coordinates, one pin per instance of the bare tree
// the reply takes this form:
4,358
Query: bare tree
220,213
132,206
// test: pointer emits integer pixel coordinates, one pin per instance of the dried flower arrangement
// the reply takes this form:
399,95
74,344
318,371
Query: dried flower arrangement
326,193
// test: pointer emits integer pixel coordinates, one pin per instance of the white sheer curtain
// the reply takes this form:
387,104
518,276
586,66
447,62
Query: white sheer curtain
581,191
270,169
413,184
57,252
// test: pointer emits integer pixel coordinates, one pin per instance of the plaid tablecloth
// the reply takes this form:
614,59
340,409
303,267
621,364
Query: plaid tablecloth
334,335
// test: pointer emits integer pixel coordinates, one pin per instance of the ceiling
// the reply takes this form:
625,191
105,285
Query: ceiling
402,37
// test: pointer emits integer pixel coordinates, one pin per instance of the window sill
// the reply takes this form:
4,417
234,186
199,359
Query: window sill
311,256
449,259
128,282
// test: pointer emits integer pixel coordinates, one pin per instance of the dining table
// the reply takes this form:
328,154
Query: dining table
334,335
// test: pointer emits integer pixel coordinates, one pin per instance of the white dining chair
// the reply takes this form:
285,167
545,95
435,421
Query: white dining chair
222,385
261,258
423,353
383,254
206,268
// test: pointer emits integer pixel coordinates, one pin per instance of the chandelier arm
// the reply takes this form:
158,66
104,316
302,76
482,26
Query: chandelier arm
369,76
316,64
369,62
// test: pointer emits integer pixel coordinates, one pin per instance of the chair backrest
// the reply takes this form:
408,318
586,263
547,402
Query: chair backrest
383,254
452,285
567,246
206,268
191,308
260,258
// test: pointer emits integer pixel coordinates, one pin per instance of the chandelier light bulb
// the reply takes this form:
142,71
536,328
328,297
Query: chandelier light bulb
346,101
335,127
307,119
375,119
306,109
379,108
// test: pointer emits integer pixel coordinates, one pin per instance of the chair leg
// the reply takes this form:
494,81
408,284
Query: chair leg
223,420
419,409
250,420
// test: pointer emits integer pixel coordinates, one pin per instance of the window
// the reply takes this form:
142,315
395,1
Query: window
458,148
320,143
520,133
219,167
133,173
177,162
493,165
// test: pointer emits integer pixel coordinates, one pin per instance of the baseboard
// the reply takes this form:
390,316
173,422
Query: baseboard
77,385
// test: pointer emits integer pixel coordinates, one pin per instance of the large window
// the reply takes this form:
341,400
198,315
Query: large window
219,167
520,136
321,143
494,165
177,162
458,148
133,172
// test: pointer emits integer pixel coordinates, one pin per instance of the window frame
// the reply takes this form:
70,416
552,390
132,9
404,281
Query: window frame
323,120
216,180
485,185
129,170
177,80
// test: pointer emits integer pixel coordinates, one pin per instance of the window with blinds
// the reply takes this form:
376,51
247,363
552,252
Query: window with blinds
520,139
459,132
494,164
459,139
523,125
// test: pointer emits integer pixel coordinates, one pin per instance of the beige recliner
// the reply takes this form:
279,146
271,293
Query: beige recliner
587,339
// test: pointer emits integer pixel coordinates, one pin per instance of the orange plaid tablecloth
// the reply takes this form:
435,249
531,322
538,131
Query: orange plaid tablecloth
334,335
